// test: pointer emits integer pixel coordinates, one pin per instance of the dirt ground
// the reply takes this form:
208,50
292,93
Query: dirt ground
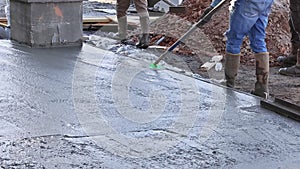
210,41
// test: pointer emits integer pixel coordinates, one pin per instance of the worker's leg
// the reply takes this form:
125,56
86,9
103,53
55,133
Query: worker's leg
262,74
294,23
2,33
257,37
239,26
141,7
121,8
258,45
295,27
7,12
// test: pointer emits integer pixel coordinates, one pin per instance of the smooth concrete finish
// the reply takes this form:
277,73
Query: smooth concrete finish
46,23
90,108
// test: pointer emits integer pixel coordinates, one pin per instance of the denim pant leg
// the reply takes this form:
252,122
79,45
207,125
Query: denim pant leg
257,35
245,15
239,27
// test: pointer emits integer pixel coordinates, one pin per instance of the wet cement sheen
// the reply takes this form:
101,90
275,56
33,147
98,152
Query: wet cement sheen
73,107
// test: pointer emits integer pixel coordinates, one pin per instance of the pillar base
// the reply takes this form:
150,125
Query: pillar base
46,23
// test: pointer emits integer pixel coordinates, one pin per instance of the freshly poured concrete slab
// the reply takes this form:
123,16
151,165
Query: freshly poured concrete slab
91,108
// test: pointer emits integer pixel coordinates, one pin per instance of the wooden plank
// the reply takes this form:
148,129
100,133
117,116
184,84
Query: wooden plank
85,20
3,24
132,20
99,24
96,20
211,63
113,11
103,26
109,11
3,19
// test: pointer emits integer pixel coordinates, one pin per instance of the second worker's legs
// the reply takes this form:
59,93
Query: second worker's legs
141,7
294,23
121,8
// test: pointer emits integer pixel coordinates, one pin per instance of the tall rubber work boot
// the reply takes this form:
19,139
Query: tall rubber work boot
294,70
144,39
122,28
232,64
262,75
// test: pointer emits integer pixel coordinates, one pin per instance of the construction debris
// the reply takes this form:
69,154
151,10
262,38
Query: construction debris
211,63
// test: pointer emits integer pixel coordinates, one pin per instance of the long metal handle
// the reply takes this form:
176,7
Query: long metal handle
198,24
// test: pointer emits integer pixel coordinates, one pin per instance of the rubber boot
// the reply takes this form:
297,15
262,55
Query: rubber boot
122,28
294,70
262,75
2,33
232,64
144,39
291,59
143,42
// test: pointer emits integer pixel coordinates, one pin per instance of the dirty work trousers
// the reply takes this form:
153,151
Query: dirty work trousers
141,7
294,21
7,11
248,18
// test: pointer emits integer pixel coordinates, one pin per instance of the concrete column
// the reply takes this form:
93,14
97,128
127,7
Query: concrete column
46,23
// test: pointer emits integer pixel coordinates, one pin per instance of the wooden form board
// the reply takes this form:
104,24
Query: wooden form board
3,24
113,11
96,20
3,19
99,21
108,11
84,20
132,20
211,63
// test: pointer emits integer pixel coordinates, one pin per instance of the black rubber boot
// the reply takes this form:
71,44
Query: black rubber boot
143,42
291,59
294,70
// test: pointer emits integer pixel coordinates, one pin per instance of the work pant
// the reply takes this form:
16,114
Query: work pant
294,21
248,18
141,7
7,11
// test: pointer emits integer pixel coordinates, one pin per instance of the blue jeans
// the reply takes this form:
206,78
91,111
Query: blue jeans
248,18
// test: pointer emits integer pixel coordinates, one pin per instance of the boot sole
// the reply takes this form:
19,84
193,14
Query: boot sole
286,71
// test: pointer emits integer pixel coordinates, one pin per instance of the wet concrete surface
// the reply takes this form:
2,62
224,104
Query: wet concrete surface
93,108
